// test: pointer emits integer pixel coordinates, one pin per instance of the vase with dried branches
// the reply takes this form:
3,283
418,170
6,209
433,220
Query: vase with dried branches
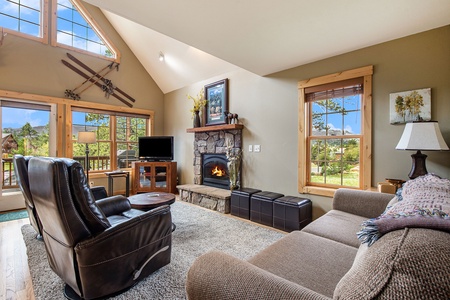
199,102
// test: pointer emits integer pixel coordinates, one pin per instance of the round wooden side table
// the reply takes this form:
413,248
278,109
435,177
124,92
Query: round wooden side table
149,201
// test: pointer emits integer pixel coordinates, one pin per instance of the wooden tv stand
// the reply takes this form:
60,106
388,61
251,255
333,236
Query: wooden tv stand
154,176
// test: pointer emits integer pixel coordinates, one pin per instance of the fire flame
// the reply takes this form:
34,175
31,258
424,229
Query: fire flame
217,172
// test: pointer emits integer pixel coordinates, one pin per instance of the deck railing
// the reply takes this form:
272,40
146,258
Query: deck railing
9,178
95,163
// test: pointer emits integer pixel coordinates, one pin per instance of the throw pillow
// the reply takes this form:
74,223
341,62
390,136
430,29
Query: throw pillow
425,204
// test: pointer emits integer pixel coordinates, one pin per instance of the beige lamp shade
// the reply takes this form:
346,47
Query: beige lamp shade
86,137
422,136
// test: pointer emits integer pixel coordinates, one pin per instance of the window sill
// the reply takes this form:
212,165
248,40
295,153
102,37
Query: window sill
320,191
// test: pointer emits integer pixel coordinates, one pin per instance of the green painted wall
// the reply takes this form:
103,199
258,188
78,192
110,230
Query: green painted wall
268,107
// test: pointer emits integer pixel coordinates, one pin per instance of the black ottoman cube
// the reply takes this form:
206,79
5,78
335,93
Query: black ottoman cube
261,207
291,213
240,202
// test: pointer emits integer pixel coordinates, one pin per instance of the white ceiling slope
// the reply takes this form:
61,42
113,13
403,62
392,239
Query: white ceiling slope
261,36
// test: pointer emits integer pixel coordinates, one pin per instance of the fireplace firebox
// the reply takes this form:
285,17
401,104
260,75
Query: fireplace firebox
215,171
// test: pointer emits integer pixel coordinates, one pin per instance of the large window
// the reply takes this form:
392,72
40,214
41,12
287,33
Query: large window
24,17
116,134
72,25
335,132
128,131
75,28
26,131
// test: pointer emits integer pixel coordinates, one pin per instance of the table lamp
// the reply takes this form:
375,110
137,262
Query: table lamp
87,137
424,136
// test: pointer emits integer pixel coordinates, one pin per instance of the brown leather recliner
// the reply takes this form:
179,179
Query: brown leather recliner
21,171
99,247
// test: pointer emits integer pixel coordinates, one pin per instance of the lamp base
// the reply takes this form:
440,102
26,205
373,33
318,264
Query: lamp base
418,167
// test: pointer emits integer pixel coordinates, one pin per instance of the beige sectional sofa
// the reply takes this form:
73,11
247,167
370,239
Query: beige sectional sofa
326,260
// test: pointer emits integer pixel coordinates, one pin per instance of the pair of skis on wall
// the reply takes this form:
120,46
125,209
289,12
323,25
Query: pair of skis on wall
97,79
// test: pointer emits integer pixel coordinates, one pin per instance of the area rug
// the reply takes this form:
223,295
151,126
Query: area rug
15,215
198,231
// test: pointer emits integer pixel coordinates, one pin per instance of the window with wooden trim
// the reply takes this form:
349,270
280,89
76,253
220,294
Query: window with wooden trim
75,29
335,132
26,18
116,134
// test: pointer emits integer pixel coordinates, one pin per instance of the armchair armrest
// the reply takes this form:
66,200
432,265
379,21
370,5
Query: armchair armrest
114,205
216,275
362,203
99,192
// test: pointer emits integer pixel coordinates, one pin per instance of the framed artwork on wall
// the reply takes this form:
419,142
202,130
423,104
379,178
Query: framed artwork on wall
217,95
410,106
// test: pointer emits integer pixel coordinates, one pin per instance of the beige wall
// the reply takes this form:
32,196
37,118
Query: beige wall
268,107
32,67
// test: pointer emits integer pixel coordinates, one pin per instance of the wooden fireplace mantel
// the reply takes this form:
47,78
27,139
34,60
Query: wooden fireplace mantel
215,128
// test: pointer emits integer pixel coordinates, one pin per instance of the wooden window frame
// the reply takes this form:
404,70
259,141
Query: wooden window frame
304,129
113,114
89,19
43,38
62,142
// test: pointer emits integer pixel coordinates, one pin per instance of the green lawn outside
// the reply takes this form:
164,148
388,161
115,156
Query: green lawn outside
350,179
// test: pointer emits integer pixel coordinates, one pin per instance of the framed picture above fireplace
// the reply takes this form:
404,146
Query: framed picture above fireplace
217,95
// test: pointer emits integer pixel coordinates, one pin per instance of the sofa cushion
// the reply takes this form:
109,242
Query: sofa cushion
425,204
338,226
307,260
411,263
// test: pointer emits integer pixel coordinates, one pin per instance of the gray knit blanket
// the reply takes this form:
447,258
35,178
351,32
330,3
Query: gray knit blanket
424,202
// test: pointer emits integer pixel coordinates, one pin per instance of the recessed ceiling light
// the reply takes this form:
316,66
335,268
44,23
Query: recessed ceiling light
161,56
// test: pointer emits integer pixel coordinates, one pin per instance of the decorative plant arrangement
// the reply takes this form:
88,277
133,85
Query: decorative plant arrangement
199,102
234,156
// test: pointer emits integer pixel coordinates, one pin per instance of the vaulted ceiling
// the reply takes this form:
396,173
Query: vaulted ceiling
204,38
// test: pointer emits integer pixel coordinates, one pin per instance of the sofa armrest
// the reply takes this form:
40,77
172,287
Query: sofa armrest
216,275
362,203
114,205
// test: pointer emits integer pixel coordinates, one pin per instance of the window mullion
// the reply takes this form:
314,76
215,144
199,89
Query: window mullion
113,144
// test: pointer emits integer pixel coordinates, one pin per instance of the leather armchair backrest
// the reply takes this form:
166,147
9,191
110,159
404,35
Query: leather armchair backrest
21,170
49,186
83,198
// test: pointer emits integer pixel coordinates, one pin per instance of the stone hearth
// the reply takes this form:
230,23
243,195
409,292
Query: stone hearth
206,196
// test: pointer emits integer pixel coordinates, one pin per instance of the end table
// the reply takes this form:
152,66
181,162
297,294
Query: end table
115,174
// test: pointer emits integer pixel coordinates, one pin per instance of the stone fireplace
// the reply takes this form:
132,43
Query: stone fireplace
210,146
212,142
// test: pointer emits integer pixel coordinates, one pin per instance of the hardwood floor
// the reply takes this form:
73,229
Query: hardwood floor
15,280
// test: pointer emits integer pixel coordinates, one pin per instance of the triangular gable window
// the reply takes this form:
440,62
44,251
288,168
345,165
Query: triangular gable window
77,30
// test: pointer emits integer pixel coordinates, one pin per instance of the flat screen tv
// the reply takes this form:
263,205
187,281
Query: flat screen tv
156,148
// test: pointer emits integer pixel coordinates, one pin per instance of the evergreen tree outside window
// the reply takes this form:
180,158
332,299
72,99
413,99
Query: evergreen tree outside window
100,152
117,138
128,131
335,132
